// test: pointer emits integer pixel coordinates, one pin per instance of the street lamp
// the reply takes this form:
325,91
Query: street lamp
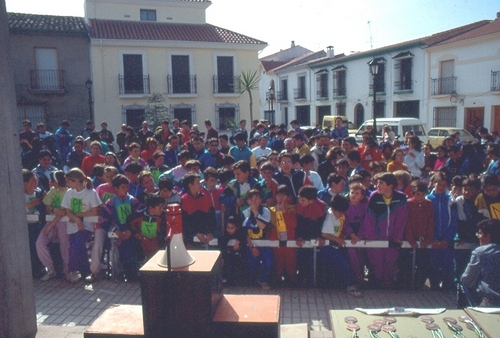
88,85
271,98
374,71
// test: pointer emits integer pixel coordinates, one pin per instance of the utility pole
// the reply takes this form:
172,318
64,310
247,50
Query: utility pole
17,301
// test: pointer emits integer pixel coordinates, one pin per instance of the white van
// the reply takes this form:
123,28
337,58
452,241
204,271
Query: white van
399,125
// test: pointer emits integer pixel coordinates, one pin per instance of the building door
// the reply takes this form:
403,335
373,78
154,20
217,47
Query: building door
495,124
182,114
473,116
408,109
447,73
180,74
303,115
227,117
133,80
359,115
225,74
135,118
322,112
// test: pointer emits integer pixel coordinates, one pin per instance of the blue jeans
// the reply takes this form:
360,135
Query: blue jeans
260,267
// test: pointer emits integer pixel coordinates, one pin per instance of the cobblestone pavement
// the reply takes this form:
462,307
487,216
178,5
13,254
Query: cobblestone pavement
66,310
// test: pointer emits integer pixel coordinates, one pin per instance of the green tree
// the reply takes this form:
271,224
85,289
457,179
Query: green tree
156,110
248,81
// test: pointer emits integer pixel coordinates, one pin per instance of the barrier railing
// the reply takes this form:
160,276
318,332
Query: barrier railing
311,244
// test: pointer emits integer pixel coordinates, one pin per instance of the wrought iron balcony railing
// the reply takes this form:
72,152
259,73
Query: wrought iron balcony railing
495,81
322,94
444,85
299,93
47,79
282,95
339,92
226,85
403,85
131,84
181,84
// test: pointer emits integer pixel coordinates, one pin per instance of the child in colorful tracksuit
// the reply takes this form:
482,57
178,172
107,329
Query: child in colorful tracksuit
257,219
33,197
150,226
385,221
233,199
285,220
80,201
333,256
445,230
354,217
198,214
419,227
468,218
114,216
311,212
55,229
234,268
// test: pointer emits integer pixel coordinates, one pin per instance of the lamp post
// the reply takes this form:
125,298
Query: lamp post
88,85
271,98
374,71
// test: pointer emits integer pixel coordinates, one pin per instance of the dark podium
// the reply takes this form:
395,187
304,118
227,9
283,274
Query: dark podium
181,302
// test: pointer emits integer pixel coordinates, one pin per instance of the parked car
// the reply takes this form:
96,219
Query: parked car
438,134
399,125
329,122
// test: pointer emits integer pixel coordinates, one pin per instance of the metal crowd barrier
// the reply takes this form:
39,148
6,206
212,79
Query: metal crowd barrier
312,244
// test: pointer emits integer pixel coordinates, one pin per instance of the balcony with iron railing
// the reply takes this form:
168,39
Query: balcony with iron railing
226,85
182,84
322,94
299,93
495,81
47,80
132,85
339,92
403,86
444,85
282,95
380,89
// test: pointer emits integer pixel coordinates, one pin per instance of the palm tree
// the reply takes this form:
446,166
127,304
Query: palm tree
247,82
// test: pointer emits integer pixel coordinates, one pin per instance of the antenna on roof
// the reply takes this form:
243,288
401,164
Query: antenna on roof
370,31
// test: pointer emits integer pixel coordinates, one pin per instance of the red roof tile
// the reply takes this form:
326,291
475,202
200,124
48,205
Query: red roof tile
440,37
137,30
268,65
47,24
492,27
424,42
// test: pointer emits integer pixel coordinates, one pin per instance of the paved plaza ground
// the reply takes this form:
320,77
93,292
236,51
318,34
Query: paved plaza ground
66,310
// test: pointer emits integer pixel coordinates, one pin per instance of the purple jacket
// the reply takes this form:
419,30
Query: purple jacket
354,217
382,221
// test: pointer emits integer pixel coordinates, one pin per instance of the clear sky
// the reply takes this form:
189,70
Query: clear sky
316,24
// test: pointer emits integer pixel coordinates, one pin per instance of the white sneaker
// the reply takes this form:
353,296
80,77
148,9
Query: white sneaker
74,277
51,273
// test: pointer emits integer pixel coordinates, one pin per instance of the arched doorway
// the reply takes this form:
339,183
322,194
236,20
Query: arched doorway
359,114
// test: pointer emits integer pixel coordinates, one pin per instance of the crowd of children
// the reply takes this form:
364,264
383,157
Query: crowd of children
390,192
